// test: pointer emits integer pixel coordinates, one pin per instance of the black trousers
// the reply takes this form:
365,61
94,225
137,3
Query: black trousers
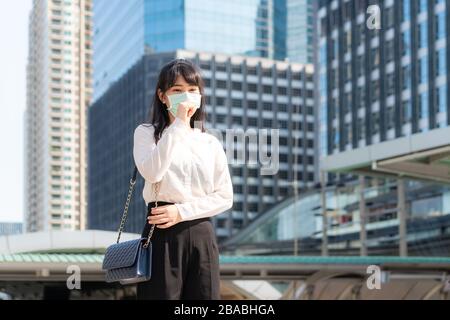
185,261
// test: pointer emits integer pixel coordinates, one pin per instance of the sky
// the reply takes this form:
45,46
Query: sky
13,61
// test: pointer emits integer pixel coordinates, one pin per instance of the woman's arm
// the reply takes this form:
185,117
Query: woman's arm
220,200
151,159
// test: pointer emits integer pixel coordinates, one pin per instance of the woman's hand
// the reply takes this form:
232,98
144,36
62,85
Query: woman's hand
185,111
168,215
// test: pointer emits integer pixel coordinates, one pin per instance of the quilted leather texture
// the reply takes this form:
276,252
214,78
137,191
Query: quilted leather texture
121,254
128,262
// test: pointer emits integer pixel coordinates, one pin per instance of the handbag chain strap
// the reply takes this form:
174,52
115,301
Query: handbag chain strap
150,233
127,204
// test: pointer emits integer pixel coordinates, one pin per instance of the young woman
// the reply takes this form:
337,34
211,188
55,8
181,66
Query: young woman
191,169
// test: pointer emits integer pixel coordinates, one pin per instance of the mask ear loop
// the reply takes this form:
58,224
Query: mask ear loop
167,105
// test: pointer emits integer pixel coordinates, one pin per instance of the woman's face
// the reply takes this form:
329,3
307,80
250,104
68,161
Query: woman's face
180,86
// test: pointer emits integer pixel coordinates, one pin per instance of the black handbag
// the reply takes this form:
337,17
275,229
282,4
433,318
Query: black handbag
130,261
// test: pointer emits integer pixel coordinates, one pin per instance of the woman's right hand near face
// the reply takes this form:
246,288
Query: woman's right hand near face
185,111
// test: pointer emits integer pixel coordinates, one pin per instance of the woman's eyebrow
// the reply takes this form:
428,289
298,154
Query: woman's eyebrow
189,85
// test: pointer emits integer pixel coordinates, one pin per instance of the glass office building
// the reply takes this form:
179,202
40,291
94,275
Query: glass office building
125,30
377,85
382,91
294,30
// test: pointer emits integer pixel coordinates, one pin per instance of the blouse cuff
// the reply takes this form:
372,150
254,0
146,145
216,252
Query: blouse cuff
181,210
180,126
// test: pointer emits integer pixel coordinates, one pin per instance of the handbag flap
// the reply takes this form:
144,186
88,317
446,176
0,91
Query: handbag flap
121,255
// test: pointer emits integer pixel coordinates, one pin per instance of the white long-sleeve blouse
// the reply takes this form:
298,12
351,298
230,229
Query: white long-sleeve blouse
191,165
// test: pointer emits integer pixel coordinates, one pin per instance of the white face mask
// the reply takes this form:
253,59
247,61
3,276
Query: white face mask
177,98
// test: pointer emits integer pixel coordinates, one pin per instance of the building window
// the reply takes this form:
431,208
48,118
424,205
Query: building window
267,123
296,76
423,34
348,41
252,104
282,91
252,122
237,120
390,84
442,99
389,12
282,74
406,42
441,62
361,129
359,65
424,110
220,101
390,117
221,84
236,68
406,77
406,10
375,90
252,87
282,123
252,172
236,86
267,106
267,89
296,92
375,58
282,107
375,123
221,66
423,70
406,111
347,71
423,5
236,103
440,25
251,70
205,65
389,51
238,172
267,72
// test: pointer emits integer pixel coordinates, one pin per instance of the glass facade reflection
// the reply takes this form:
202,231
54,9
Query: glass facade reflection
293,30
118,40
124,30
378,85
428,222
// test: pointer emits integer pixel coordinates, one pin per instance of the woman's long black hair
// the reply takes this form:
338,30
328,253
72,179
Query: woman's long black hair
159,115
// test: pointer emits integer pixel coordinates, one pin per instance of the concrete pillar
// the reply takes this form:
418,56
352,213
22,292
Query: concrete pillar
401,212
362,217
324,215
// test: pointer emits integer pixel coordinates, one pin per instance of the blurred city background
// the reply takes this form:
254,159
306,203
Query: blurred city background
357,90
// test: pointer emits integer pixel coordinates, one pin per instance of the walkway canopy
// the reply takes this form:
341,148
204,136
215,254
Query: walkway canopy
424,155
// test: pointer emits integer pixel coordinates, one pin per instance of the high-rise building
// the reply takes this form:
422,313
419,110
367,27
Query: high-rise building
382,81
293,30
381,84
58,94
125,30
243,93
